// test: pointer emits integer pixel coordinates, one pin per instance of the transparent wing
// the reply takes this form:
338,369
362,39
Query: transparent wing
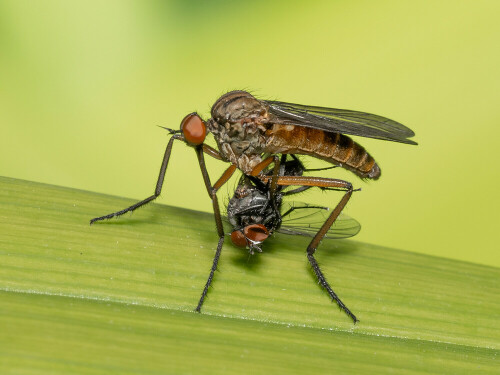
340,121
306,220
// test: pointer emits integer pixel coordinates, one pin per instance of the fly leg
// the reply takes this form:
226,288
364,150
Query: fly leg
294,165
296,160
291,209
200,150
212,192
326,183
157,191
274,179
166,157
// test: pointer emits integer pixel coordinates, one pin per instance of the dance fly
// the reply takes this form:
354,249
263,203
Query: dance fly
252,133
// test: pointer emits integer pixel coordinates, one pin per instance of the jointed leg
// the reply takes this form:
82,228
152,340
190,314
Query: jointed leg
211,151
262,165
274,179
157,192
207,149
200,150
286,167
212,192
217,253
296,160
291,209
314,245
325,183
297,190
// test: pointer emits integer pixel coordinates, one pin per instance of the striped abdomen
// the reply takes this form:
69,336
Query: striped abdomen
335,148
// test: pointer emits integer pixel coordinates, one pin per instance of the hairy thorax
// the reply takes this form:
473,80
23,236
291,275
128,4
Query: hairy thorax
239,123
240,143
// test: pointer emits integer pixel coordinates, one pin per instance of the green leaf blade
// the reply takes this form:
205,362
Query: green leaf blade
419,313
95,337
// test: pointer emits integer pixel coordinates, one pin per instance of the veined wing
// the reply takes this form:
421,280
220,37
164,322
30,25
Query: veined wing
340,121
306,220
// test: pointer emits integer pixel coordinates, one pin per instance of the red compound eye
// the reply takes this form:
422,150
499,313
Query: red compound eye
256,232
194,129
238,239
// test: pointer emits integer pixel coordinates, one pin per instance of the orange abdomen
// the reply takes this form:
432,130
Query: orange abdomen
335,148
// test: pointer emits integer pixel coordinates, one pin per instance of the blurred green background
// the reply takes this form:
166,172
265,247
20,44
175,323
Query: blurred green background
83,85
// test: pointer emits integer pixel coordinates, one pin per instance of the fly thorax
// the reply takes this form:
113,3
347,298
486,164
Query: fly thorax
248,206
239,122
244,138
240,142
